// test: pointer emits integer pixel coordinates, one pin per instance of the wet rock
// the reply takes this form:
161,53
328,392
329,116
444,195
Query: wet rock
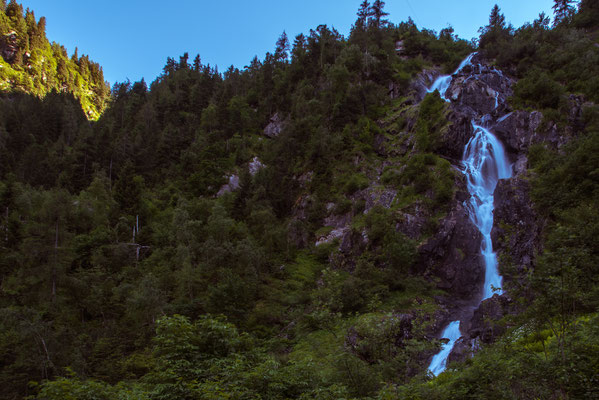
456,136
518,130
419,86
463,349
275,126
517,228
485,323
480,89
453,255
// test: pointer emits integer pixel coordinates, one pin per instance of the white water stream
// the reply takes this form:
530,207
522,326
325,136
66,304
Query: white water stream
485,162
442,83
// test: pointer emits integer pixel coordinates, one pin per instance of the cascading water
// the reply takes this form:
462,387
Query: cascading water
442,83
485,162
452,332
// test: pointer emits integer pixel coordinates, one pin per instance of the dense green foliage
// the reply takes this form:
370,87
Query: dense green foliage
29,63
550,351
116,251
127,273
549,62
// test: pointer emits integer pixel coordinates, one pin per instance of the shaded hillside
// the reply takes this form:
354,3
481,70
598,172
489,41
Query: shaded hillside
296,229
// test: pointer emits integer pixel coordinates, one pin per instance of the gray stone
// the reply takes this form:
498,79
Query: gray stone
275,126
230,186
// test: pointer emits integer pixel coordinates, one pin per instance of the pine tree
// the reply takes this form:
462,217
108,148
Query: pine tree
377,13
170,66
542,22
197,63
495,34
496,19
563,11
363,13
183,61
282,49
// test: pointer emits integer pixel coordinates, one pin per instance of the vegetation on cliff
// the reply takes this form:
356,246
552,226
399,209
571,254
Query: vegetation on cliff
128,271
29,63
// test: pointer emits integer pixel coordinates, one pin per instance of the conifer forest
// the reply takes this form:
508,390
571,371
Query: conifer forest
396,213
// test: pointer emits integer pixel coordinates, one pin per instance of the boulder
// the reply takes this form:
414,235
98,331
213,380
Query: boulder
480,89
275,126
518,129
485,323
463,349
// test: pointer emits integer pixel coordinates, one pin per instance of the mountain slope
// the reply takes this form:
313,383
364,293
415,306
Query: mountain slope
297,229
30,63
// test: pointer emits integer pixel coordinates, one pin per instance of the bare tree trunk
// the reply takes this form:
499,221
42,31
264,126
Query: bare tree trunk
6,227
54,267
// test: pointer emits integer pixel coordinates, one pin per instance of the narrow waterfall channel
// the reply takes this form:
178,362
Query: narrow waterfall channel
442,83
485,162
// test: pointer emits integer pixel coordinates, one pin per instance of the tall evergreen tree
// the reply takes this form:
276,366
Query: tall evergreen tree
282,48
496,18
562,10
378,13
363,13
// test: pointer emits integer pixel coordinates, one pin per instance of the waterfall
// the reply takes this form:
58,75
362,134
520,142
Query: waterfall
442,83
485,162
452,332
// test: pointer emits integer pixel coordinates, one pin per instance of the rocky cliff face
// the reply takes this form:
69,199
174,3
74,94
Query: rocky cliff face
453,254
516,232
479,93
9,46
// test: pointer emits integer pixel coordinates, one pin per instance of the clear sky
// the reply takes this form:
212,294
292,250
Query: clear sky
131,39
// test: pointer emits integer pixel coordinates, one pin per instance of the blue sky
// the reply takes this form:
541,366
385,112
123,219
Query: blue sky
131,39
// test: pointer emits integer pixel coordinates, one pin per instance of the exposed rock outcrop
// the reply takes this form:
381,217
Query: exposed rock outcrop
486,322
456,136
231,185
453,253
517,228
255,165
419,86
275,126
9,46
480,89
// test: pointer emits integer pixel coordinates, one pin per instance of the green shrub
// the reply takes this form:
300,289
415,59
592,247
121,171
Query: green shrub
354,183
537,90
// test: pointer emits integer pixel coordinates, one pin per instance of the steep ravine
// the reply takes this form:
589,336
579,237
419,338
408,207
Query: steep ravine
477,94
